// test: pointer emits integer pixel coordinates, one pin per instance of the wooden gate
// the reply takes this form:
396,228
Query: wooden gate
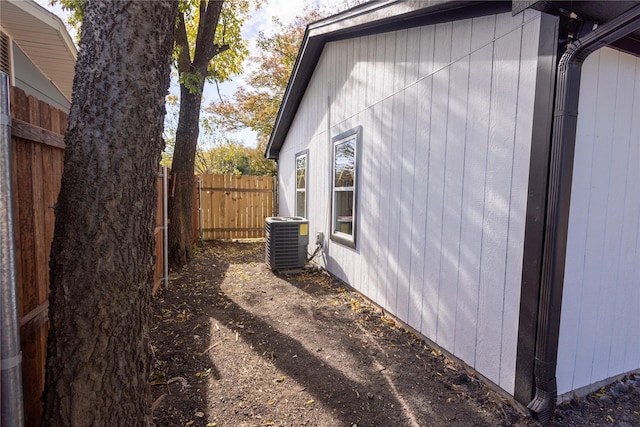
235,207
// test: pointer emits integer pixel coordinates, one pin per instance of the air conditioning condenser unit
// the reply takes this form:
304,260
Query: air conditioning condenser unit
287,239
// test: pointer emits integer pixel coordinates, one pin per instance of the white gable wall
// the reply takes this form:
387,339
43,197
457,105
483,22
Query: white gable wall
446,112
600,319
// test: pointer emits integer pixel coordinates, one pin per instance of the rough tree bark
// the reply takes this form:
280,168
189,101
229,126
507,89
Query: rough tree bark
182,171
97,370
182,167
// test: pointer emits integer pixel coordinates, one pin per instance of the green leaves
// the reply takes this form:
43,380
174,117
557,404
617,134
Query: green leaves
194,82
222,51
256,107
76,9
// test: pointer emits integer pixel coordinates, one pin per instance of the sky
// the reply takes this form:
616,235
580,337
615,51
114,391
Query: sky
261,20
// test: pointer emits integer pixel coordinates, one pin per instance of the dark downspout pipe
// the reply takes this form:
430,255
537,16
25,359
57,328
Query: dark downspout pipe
560,176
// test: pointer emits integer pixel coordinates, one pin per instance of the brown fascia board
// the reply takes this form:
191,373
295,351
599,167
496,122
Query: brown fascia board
369,18
590,13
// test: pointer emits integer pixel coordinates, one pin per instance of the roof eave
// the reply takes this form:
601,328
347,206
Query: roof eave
60,75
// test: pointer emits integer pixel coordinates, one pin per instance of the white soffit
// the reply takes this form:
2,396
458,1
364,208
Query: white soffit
43,37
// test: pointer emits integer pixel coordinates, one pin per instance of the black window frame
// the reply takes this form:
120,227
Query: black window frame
301,154
347,239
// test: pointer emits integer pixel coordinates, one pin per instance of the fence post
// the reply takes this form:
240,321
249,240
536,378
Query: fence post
10,354
201,233
275,196
165,228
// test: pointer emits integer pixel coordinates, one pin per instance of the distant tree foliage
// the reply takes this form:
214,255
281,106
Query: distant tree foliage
217,153
255,106
229,158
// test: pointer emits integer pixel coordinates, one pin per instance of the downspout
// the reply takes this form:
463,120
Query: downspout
559,195
10,355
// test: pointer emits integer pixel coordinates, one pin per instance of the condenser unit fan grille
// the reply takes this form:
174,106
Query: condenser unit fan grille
286,242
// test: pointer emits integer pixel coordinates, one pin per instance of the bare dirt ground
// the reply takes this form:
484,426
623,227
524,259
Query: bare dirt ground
237,345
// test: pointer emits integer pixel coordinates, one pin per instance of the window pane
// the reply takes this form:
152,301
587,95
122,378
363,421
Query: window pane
301,203
344,212
345,161
301,172
346,150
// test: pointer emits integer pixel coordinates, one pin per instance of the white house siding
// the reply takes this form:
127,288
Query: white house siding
600,319
446,113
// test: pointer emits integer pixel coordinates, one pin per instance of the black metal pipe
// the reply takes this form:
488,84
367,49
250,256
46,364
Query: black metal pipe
559,195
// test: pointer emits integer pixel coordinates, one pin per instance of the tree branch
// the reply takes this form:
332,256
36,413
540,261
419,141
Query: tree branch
209,17
218,49
184,61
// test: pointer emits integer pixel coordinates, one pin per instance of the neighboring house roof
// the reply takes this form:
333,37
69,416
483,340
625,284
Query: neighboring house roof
390,15
43,37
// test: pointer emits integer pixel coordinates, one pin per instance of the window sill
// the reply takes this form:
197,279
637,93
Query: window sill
344,239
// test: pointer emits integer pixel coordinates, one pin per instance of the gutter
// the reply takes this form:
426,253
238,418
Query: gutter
560,177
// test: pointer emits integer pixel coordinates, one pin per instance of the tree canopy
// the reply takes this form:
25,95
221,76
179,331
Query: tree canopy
255,106
218,46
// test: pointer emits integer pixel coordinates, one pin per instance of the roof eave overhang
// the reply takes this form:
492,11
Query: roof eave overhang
592,13
369,18
25,21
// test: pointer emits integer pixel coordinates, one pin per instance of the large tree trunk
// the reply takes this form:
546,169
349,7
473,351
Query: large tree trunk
184,153
102,254
182,171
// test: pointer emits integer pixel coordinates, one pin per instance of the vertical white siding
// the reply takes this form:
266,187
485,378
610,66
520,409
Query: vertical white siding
498,179
419,208
518,203
473,194
446,117
410,172
600,317
453,183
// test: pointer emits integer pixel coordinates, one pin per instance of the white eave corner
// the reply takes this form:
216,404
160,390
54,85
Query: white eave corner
19,18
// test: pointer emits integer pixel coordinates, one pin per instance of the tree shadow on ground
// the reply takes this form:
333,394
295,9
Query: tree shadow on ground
253,348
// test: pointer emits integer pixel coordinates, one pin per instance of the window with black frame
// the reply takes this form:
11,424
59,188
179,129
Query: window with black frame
344,186
301,184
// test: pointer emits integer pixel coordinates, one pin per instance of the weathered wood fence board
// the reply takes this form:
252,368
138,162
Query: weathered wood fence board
37,142
158,274
37,146
235,207
37,159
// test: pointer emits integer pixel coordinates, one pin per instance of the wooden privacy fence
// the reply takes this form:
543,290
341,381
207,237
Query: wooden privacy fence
160,273
37,147
235,207
163,185
232,208
37,150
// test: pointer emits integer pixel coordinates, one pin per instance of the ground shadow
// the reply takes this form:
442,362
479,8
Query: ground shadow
308,328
